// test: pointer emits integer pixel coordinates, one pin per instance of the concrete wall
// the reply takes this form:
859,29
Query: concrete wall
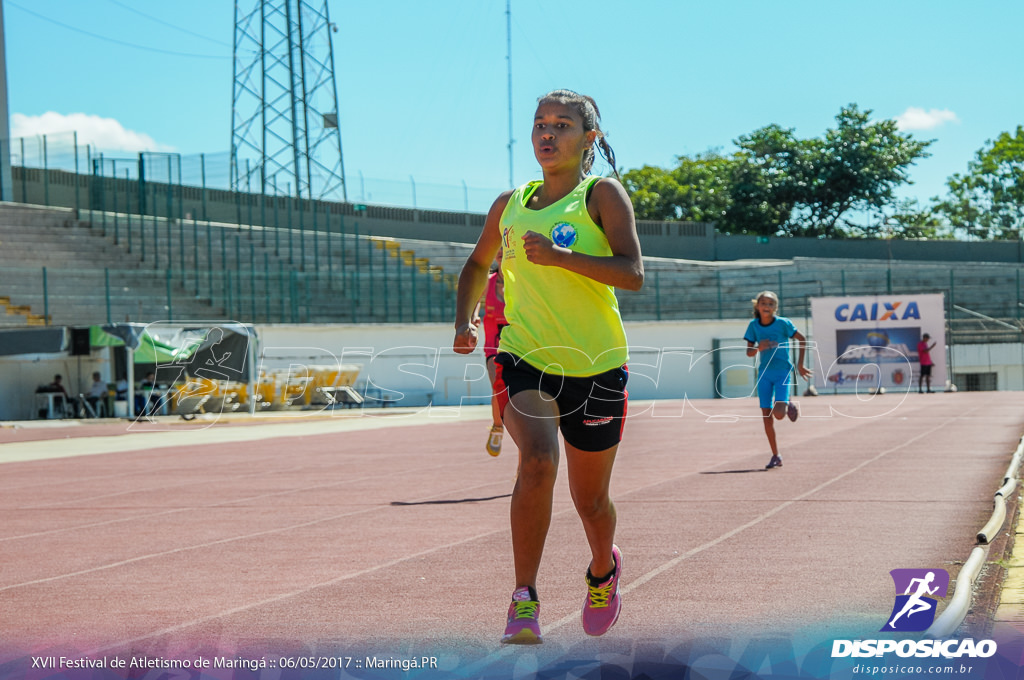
58,188
735,247
668,360
1005,360
681,240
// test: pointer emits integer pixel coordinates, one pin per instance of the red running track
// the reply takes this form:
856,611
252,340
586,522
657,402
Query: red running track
291,538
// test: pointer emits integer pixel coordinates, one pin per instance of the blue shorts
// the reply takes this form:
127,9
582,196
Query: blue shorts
774,385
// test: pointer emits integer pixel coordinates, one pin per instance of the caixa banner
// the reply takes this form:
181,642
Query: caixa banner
871,341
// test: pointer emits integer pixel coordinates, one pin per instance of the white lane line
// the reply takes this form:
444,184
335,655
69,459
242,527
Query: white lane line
19,452
207,472
284,596
248,499
643,579
674,562
222,541
505,650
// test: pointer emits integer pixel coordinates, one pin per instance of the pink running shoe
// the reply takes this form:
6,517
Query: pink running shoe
793,411
603,603
523,627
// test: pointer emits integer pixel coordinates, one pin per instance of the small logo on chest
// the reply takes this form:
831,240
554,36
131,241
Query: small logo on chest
563,234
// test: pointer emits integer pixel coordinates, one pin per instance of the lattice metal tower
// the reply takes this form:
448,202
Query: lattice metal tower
284,107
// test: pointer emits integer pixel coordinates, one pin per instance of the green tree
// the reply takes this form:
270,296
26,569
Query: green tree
697,189
988,201
777,184
705,183
654,192
763,184
857,166
913,221
908,220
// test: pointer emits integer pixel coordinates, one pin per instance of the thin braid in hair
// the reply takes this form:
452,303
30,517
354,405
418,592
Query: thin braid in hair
609,155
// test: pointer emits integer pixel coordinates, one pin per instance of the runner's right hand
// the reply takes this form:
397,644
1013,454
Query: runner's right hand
466,337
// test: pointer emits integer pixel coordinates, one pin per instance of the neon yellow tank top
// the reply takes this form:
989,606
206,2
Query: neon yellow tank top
558,318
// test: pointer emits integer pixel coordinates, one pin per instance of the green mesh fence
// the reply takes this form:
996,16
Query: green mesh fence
193,249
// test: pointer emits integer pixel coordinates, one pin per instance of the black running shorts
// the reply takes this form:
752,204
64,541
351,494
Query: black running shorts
592,409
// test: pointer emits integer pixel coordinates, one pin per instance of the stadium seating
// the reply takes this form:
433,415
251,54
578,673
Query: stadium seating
101,266
84,273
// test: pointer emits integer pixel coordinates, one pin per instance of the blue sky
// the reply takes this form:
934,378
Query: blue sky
424,94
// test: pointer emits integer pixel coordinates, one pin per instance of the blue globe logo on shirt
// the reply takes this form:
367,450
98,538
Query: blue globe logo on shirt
563,234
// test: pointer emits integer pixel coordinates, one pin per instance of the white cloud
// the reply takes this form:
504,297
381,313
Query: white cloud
915,118
105,134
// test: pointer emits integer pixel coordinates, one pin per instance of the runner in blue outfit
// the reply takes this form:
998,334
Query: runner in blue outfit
768,335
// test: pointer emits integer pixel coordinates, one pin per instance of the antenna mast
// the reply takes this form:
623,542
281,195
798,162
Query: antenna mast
284,105
508,32
6,188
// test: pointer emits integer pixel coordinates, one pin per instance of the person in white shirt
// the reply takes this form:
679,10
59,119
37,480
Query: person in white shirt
97,393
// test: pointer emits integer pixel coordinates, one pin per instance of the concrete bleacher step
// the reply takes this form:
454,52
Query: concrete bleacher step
348,277
234,250
35,215
438,258
75,257
66,247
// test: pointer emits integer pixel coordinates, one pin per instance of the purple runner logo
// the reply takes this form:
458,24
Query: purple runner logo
917,594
